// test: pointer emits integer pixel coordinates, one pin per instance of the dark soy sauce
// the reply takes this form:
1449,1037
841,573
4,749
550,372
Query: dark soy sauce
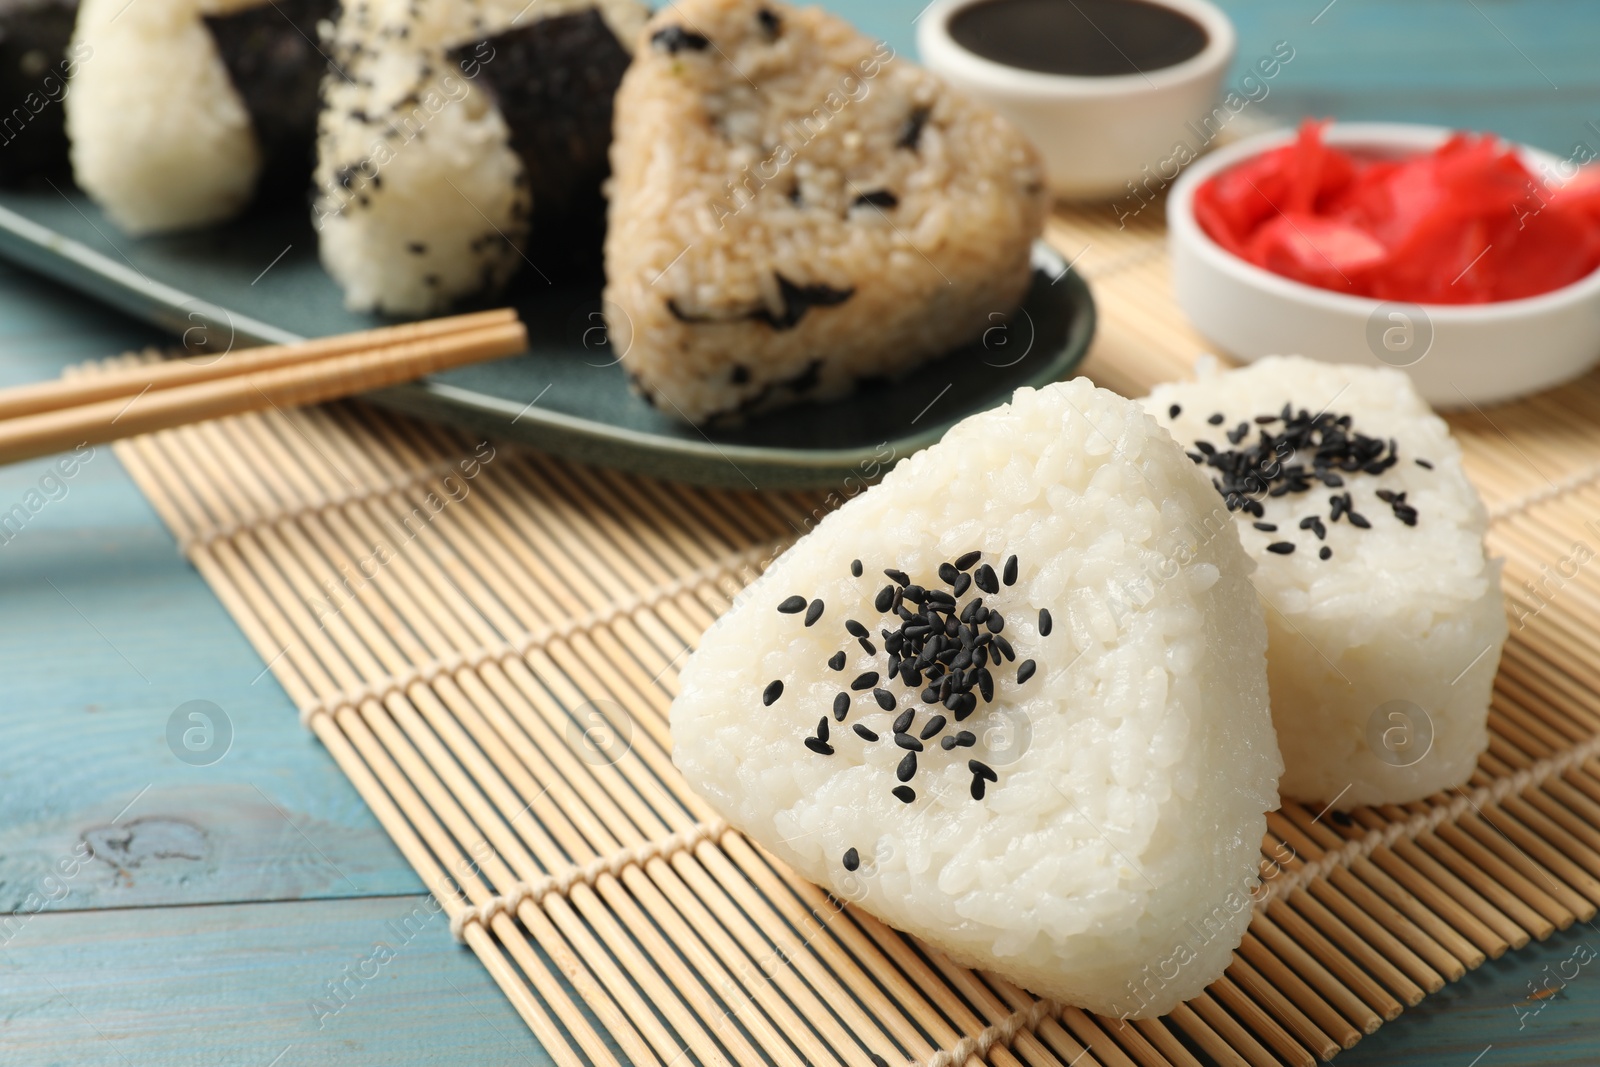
1087,38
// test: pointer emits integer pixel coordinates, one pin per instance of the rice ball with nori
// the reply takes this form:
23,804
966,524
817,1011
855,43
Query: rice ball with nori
1034,730
1384,618
467,143
794,208
190,108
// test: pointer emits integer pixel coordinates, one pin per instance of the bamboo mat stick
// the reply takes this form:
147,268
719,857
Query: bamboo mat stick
298,383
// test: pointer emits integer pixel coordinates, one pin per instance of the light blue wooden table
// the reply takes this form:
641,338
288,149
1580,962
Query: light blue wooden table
226,903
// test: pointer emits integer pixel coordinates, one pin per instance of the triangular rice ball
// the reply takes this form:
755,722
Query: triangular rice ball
1074,799
793,208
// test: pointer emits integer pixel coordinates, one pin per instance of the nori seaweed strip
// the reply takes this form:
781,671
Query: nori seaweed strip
554,81
277,71
33,81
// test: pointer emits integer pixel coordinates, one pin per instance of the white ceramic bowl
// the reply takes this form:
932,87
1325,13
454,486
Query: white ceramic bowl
1457,354
1096,133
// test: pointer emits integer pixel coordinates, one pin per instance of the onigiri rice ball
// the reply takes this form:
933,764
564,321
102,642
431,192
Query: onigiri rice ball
1011,700
1384,615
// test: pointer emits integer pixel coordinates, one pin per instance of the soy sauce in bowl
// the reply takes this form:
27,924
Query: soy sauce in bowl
1079,38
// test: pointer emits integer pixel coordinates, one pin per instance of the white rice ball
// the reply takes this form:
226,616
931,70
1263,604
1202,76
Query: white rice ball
1382,656
1111,862
160,137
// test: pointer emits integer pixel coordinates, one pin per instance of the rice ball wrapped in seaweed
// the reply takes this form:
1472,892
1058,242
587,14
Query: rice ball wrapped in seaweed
1384,617
190,110
1011,700
35,65
468,143
794,208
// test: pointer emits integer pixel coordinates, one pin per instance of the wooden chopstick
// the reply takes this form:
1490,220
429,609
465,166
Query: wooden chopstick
260,380
71,392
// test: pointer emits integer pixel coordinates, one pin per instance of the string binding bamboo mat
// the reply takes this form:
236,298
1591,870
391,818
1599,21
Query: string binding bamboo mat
486,640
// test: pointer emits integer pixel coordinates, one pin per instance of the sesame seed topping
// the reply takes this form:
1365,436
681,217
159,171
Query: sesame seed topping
931,728
821,748
1174,411
855,568
1314,524
885,599
1025,670
822,728
865,681
904,794
961,584
1046,624
964,563
902,722
1265,527
1357,519
814,612
841,706
773,691
982,770
793,605
855,628
984,578
947,743
1282,548
836,661
996,622
884,698
948,573
864,733
1325,552
906,741
1425,465
852,859
966,739
1218,419
977,789
897,577
908,767
1011,571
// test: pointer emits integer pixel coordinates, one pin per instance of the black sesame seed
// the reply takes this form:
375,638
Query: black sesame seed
902,722
872,650
1239,433
865,681
1314,524
855,568
904,794
962,582
1425,465
1046,624
947,743
1197,457
1325,552
1218,419
852,859
822,728
1265,527
1025,670
932,727
984,578
906,741
864,733
977,789
897,577
1005,649
964,563
1174,411
982,770
966,739
1358,520
821,748
908,767
1282,548
1011,571
885,599
814,612
884,698
996,622
855,628
947,573
773,691
986,684
836,661
841,706
793,606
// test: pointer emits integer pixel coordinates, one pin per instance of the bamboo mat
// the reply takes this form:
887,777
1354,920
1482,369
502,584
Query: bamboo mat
487,640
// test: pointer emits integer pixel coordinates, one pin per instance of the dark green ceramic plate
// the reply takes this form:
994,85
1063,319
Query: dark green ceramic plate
257,281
